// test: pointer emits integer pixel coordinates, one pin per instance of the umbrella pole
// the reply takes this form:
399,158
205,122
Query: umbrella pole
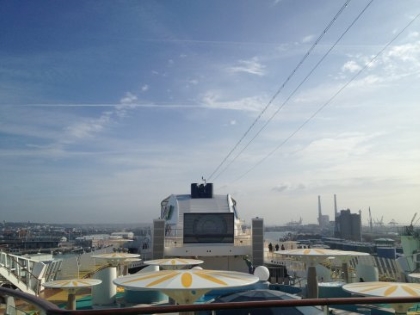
71,300
312,283
401,308
345,270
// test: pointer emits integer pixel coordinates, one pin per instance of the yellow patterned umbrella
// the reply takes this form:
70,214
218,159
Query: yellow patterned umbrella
185,286
173,263
386,289
71,286
313,256
116,258
414,275
318,254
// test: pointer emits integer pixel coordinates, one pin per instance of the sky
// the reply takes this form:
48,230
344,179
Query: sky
108,107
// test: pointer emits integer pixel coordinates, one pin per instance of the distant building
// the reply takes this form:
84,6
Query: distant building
323,220
125,235
93,240
348,225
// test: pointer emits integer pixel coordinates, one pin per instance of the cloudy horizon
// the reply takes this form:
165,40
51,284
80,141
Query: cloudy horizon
108,108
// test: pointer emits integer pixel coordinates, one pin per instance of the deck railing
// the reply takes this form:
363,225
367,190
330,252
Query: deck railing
44,307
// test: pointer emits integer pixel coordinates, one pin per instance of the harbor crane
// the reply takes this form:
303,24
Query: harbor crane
412,220
410,228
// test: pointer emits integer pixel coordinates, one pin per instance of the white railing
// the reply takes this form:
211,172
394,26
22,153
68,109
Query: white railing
24,273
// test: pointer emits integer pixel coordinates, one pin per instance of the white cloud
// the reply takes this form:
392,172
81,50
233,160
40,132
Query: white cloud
88,128
283,47
338,147
129,98
251,66
214,101
316,95
190,83
144,88
396,62
281,187
351,66
413,35
307,39
368,81
127,102
406,53
83,129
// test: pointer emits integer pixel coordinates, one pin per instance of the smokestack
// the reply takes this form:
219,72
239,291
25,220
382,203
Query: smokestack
336,223
319,206
319,211
335,205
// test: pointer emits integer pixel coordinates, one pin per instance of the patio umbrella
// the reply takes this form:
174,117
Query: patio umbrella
173,263
71,286
116,259
313,256
386,289
264,295
185,286
415,275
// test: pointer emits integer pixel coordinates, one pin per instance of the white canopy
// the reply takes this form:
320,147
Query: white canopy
185,286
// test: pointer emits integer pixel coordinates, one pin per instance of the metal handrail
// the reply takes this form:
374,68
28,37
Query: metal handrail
41,304
23,267
51,309
16,260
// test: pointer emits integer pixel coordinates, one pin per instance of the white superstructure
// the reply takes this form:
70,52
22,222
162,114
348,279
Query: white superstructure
204,226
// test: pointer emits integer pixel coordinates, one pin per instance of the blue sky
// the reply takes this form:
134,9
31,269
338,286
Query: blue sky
108,107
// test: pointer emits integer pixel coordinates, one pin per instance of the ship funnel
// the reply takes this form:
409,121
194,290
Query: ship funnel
201,190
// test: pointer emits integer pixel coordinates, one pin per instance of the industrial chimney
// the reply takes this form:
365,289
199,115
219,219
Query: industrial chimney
335,206
319,211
